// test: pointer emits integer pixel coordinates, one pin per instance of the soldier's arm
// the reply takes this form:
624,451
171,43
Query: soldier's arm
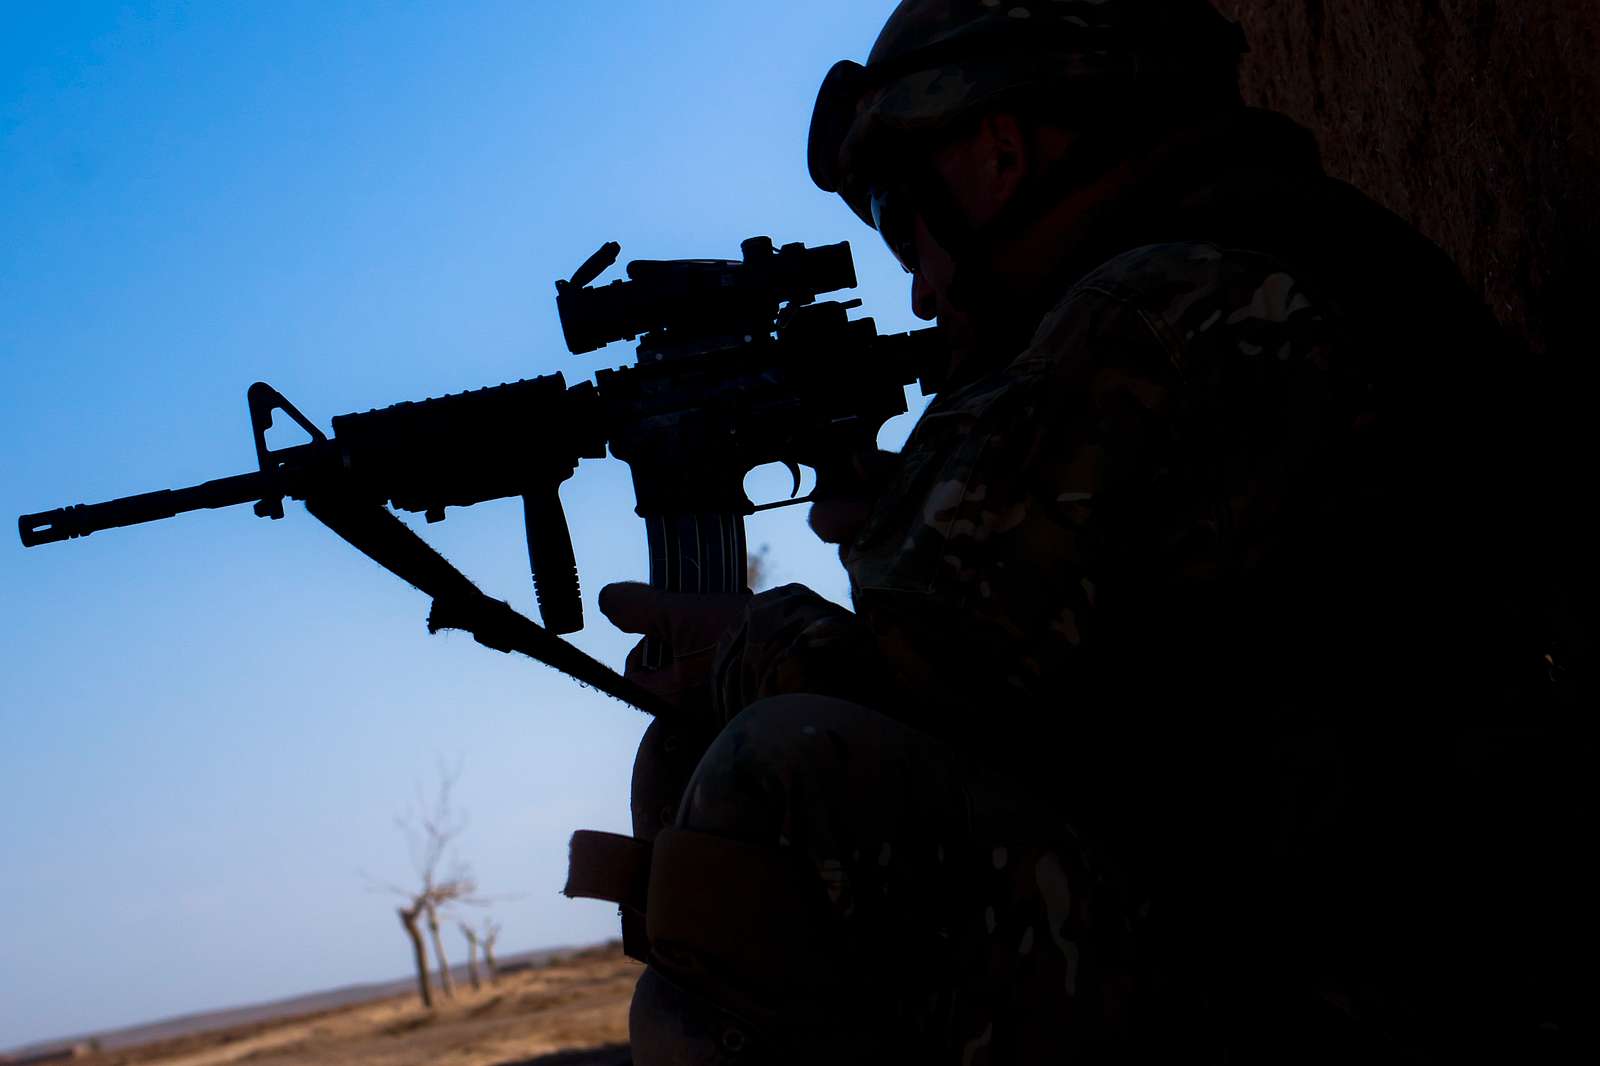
1100,502
1118,502
792,640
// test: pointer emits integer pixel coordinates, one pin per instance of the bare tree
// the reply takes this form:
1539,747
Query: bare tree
431,830
758,571
408,920
441,895
491,932
472,955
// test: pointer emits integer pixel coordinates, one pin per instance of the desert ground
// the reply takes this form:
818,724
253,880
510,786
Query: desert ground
572,1012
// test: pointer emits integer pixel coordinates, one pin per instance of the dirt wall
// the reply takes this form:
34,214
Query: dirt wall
1476,120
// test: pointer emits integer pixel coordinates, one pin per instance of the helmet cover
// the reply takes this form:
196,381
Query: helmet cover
938,62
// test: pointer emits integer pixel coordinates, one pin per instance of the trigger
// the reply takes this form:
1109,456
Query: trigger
794,472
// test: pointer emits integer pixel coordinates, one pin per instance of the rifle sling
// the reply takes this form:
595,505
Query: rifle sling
459,604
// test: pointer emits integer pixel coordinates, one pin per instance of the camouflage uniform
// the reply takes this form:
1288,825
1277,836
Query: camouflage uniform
1160,579
1158,621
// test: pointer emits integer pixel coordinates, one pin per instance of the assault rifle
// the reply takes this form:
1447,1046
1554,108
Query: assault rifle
738,366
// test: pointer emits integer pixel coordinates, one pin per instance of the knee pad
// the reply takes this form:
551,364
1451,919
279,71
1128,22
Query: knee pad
667,757
710,906
754,915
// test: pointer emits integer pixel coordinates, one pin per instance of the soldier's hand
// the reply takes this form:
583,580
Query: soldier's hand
691,624
846,492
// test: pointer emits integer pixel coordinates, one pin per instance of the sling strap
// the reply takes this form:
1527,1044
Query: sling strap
610,867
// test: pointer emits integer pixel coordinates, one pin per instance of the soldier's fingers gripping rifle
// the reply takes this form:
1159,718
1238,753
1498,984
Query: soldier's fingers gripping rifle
738,366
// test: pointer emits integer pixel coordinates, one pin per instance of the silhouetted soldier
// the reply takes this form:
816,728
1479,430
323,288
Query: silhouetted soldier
1145,736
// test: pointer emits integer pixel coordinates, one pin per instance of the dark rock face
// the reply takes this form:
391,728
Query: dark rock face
1476,120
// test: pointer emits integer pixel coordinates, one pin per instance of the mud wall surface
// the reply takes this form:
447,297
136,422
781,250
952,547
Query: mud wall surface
1476,120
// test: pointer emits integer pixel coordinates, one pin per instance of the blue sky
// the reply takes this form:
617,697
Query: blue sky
208,725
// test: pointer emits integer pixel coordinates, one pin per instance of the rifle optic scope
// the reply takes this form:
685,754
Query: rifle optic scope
693,298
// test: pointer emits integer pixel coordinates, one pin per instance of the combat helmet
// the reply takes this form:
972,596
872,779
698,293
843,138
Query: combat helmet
939,62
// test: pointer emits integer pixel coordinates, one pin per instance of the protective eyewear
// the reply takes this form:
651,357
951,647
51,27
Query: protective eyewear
895,219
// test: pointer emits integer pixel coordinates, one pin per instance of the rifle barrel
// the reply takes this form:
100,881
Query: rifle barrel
80,520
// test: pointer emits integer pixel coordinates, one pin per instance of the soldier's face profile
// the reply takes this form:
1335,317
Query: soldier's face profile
931,277
932,285
980,173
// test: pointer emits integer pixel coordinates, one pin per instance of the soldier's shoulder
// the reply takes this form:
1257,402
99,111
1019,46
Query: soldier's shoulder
1175,294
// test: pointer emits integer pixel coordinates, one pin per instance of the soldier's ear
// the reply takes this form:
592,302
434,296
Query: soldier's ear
1007,155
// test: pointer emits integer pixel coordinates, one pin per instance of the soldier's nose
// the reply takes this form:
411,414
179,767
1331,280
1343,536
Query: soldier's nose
924,303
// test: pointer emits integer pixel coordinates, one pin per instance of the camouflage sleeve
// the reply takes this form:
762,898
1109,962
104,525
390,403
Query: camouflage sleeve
1168,439
1099,503
792,640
